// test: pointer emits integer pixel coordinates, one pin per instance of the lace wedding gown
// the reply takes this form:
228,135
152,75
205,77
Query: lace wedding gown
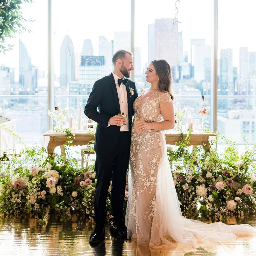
153,214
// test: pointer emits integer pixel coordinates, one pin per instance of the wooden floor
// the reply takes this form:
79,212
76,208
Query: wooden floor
26,237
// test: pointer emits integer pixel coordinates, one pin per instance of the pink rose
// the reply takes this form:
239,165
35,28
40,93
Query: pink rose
50,182
230,182
219,185
247,189
77,181
86,175
87,182
18,184
34,170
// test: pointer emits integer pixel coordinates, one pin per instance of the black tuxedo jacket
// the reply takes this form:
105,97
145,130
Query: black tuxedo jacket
102,104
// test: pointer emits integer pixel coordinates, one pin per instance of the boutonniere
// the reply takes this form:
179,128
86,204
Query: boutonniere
131,92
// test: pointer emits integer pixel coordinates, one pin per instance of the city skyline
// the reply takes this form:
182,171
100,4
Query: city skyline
187,45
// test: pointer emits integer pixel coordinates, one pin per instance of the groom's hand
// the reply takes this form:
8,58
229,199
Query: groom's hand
117,120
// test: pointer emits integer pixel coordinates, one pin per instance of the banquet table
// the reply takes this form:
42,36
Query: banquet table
54,139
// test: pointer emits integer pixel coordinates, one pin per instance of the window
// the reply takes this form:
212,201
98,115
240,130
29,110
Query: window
85,38
185,44
237,70
23,76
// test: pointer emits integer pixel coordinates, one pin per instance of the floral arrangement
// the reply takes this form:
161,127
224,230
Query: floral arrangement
209,184
58,116
38,184
203,110
214,186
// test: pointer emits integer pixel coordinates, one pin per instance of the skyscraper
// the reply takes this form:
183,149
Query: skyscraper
181,58
106,50
167,41
193,43
252,59
137,62
151,42
226,72
67,62
200,59
27,83
5,81
87,48
244,69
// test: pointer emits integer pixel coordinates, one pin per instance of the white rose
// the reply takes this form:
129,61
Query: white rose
210,198
74,194
237,198
52,190
185,187
231,205
32,199
201,190
59,190
60,117
239,192
43,193
208,175
53,174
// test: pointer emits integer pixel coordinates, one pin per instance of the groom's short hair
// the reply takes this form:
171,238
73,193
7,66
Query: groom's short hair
119,55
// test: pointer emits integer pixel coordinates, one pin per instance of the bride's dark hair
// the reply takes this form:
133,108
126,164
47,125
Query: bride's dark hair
164,74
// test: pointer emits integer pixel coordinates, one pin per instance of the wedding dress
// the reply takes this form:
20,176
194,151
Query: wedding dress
153,214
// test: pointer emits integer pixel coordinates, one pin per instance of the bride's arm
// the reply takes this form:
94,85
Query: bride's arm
167,111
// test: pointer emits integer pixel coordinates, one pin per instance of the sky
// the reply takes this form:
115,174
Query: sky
85,19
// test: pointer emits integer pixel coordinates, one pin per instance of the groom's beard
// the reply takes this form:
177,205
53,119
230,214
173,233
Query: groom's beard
124,71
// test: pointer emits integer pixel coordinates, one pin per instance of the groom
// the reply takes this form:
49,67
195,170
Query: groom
110,104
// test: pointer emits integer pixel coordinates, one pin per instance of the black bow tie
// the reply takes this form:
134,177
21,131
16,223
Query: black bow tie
122,81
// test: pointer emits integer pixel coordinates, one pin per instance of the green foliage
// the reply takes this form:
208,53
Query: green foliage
11,22
70,136
37,184
213,185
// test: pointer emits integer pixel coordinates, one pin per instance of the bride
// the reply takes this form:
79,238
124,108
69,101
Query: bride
153,213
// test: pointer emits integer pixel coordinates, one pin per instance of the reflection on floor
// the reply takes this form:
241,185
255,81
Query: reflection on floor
26,237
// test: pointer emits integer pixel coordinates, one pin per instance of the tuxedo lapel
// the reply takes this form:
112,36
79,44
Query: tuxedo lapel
128,97
113,86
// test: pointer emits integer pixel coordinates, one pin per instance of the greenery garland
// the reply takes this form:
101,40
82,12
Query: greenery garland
70,136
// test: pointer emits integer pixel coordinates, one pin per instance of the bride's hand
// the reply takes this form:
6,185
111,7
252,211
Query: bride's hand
143,126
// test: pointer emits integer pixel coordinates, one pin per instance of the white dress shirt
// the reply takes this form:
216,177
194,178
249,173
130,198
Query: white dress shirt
122,96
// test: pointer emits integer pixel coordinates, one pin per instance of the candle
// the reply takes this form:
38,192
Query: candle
196,122
190,125
85,127
79,117
178,116
70,121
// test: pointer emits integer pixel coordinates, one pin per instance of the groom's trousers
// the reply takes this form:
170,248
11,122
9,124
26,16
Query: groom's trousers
112,167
